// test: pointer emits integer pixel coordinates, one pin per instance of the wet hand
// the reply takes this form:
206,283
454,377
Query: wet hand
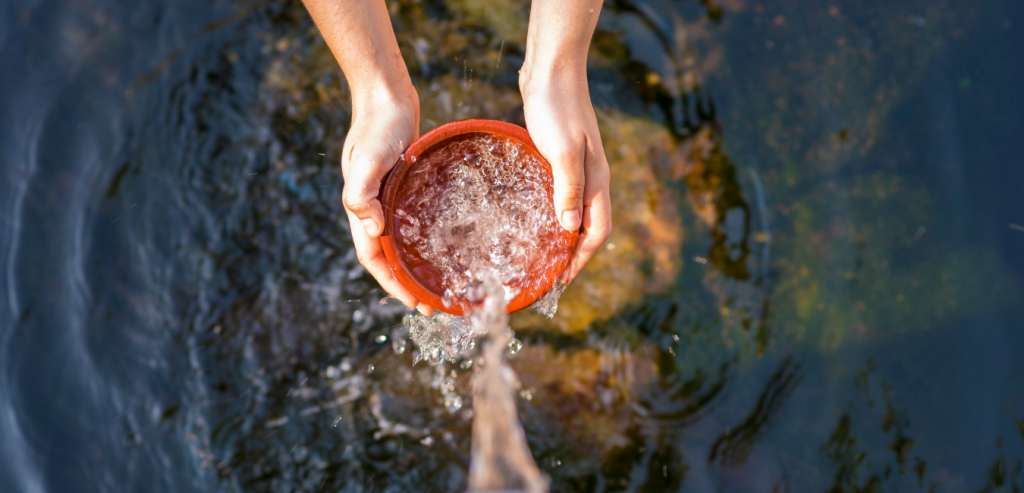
562,123
383,126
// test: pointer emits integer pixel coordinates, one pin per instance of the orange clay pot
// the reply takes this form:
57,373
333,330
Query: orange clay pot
429,289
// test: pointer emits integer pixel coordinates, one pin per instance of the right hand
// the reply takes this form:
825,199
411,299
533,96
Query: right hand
384,124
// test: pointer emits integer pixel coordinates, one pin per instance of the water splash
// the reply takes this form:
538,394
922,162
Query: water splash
547,305
500,457
441,337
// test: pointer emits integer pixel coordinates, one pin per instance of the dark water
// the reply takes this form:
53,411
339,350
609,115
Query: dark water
815,284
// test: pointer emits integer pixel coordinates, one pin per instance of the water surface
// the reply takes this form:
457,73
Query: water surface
814,282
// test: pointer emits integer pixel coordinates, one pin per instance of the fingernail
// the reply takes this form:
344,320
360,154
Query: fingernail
571,219
422,309
370,226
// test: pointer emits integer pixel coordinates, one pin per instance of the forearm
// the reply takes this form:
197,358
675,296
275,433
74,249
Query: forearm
558,41
360,35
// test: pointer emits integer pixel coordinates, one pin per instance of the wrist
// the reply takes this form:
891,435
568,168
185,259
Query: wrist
398,95
538,77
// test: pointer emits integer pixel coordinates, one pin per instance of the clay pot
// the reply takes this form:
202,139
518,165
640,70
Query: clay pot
406,262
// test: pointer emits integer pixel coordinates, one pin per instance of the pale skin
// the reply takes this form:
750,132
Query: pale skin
386,113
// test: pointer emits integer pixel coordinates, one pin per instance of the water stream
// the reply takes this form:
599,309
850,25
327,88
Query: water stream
500,459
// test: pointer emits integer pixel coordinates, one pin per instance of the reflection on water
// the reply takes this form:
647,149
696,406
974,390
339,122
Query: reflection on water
810,287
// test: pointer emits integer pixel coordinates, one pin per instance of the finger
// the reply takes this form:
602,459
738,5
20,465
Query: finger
371,256
597,220
596,228
362,184
569,182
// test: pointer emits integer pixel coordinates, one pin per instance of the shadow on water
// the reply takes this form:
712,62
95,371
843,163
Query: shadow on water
788,289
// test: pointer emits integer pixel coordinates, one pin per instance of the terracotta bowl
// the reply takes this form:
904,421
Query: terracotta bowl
429,288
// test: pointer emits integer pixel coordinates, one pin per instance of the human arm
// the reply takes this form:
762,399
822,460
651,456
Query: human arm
562,122
385,120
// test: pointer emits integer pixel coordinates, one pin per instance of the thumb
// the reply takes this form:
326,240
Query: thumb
569,181
360,195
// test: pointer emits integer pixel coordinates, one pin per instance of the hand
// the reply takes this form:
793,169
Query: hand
383,125
562,123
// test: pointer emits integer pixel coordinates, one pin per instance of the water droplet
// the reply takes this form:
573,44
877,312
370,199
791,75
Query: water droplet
466,364
526,394
357,316
369,369
427,441
381,339
336,421
514,346
452,402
